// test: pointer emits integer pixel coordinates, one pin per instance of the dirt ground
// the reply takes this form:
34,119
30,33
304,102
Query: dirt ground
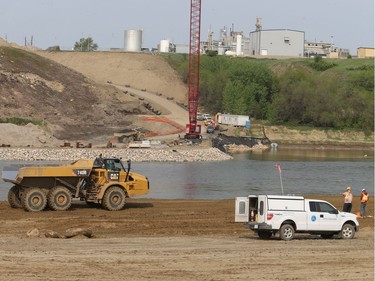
174,240
140,71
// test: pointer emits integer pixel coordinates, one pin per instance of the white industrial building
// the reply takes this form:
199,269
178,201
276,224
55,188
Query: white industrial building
272,42
259,43
182,48
166,46
325,49
277,42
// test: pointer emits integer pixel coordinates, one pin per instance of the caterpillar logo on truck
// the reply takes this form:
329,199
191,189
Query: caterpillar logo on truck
269,215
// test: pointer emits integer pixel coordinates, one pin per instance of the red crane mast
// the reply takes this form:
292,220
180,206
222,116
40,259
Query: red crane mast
193,130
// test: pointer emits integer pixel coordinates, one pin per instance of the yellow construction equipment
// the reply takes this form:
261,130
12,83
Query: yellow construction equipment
103,181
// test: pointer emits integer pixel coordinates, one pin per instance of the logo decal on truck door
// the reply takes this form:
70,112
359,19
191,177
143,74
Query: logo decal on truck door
313,218
113,176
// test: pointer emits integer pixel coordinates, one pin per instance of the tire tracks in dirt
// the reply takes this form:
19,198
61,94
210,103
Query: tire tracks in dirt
174,112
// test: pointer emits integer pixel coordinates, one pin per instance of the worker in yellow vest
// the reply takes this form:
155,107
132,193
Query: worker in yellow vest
348,200
364,200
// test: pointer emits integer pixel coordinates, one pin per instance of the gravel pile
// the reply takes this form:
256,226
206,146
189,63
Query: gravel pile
136,155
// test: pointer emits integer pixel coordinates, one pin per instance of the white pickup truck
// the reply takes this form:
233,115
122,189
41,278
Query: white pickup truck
271,214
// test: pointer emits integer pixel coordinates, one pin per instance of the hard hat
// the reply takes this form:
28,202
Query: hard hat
363,189
348,188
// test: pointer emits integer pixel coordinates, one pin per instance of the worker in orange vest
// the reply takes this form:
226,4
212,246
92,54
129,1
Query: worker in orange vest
364,200
348,200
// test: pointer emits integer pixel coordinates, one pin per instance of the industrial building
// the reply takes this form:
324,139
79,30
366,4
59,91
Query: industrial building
166,46
277,42
363,52
273,42
235,43
324,49
259,43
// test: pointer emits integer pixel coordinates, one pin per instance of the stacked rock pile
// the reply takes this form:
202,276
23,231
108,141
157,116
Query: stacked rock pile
135,155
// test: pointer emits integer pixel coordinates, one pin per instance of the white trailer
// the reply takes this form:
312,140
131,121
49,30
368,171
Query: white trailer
235,120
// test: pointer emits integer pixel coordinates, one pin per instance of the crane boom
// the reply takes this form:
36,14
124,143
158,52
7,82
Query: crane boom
193,130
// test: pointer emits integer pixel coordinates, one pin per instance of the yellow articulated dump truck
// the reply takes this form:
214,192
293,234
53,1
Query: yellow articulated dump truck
103,181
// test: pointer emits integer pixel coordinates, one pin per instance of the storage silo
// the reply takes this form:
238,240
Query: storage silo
164,46
133,40
239,45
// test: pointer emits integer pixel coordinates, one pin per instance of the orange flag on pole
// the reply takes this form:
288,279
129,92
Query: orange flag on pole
278,167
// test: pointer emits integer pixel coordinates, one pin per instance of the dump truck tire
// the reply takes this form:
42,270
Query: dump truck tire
59,198
114,199
34,200
13,197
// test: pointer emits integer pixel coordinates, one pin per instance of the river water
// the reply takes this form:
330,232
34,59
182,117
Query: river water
302,172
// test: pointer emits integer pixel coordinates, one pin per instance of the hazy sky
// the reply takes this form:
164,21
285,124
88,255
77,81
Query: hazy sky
348,23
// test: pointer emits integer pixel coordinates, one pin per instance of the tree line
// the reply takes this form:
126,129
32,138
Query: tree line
85,45
318,93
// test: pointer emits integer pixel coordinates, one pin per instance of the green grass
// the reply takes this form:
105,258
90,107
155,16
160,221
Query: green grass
22,121
20,56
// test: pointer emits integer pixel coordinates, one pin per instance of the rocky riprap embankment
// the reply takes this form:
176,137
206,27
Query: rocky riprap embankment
136,155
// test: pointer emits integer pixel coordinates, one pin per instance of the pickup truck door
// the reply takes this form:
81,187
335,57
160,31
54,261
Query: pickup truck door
242,209
323,216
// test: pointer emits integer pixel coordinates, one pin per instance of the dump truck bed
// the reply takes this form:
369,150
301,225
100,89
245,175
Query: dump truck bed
34,175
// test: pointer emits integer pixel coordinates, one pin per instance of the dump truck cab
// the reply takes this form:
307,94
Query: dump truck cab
109,176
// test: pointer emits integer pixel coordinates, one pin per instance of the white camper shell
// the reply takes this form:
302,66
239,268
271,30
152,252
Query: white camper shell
285,215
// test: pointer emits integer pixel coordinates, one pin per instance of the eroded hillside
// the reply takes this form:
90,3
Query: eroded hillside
138,70
73,106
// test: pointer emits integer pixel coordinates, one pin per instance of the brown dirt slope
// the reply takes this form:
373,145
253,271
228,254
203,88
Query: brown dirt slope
138,70
74,107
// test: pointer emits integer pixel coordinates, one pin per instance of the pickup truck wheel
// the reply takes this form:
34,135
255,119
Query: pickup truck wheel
59,198
347,231
264,234
286,232
34,200
14,197
114,199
